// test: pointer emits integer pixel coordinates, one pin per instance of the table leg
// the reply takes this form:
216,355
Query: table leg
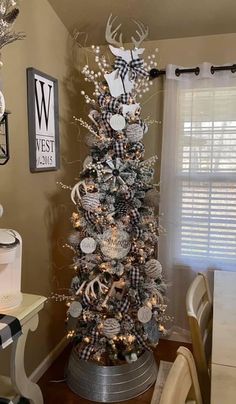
22,384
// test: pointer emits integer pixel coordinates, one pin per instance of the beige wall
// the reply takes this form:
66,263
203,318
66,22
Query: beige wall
34,204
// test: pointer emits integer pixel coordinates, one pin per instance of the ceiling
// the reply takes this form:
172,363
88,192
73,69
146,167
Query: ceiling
166,18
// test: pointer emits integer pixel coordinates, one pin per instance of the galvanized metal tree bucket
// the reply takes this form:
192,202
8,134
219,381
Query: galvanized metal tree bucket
109,384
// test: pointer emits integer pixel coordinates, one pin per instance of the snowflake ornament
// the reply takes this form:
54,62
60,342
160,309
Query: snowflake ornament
115,172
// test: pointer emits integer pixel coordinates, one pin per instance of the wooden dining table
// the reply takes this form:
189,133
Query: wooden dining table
223,363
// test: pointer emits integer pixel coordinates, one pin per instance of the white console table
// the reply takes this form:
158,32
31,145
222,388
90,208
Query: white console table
18,384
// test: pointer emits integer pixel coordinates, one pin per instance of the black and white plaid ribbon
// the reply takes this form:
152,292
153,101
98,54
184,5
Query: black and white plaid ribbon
105,121
112,104
124,306
129,319
135,277
135,67
140,340
136,148
94,335
119,148
134,215
84,301
138,300
86,352
137,232
143,125
10,329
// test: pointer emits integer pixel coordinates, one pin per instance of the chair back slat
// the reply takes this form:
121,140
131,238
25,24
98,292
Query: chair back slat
199,310
182,382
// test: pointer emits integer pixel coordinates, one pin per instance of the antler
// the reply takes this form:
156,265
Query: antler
89,290
111,35
142,33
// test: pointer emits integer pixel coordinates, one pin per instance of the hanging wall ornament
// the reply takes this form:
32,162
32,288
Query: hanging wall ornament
134,132
111,327
88,245
153,269
144,314
117,122
75,309
115,243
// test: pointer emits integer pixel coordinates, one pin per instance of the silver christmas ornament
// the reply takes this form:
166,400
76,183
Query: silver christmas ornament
153,269
134,132
111,327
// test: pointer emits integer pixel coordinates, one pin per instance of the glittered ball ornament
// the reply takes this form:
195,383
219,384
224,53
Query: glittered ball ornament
153,269
134,133
111,327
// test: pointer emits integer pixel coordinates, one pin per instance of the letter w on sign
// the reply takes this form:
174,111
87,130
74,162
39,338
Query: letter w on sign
44,106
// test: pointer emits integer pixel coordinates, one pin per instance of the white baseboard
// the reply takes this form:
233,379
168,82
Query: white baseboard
50,358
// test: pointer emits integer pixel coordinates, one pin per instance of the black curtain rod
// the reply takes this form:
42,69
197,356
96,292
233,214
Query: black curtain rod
157,73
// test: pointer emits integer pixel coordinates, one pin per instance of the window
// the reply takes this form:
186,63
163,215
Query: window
206,175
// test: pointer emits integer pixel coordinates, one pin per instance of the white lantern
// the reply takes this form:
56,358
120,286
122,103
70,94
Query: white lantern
10,269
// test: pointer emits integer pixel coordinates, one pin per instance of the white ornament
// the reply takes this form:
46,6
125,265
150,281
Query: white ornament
2,105
144,314
111,327
88,245
1,210
115,243
131,358
153,269
75,309
134,132
117,122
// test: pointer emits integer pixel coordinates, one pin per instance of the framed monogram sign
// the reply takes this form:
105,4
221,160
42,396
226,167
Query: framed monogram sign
43,115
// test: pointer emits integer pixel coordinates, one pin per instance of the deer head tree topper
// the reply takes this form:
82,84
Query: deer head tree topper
127,64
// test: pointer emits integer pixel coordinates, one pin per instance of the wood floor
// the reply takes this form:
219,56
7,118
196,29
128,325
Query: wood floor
55,392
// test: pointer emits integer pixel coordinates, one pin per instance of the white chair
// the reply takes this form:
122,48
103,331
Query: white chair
199,310
181,384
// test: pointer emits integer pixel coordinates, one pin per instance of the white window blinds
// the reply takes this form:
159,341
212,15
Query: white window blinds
206,175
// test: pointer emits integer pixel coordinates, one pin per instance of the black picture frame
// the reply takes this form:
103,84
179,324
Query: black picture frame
43,121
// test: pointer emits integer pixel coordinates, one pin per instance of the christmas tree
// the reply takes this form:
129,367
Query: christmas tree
117,294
